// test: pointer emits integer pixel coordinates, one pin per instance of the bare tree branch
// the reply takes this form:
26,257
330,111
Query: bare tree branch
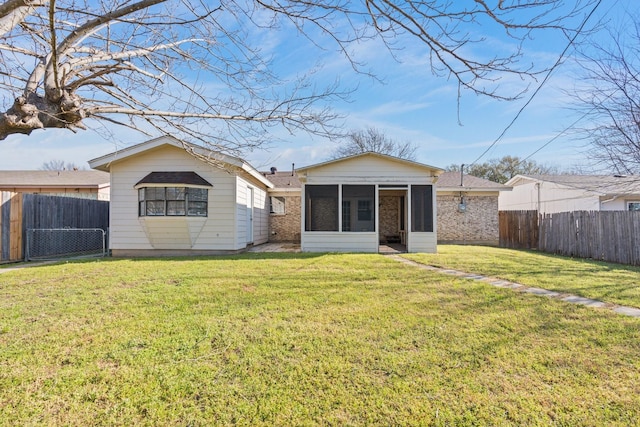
375,141
608,95
189,68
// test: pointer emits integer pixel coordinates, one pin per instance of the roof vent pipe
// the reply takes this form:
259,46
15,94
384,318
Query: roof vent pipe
273,170
293,168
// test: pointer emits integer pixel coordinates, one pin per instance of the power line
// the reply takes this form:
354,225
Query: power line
546,78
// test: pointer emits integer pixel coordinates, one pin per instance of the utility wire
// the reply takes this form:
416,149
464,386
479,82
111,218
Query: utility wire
546,78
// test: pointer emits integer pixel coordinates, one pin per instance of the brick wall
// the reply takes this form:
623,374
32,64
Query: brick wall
286,228
389,213
479,224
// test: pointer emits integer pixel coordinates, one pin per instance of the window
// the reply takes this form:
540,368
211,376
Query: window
321,208
172,201
346,215
276,205
358,213
633,206
422,208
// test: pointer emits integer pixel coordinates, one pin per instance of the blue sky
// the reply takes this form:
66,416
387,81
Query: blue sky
409,104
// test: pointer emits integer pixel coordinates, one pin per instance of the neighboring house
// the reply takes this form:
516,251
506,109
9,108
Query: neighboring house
563,193
89,184
475,222
172,198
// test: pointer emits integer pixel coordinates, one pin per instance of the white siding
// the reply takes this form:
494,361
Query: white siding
128,232
548,197
321,241
422,242
617,204
369,169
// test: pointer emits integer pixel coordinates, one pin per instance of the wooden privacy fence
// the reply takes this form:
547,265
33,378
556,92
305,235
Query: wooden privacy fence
518,229
10,226
606,235
20,212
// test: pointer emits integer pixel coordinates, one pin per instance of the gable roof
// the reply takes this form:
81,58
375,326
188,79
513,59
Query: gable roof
435,170
602,184
447,181
203,154
51,179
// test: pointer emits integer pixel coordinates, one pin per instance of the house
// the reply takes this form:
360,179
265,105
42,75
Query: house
172,198
467,209
563,193
88,184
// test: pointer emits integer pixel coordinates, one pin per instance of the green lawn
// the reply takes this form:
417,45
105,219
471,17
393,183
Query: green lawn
614,283
302,339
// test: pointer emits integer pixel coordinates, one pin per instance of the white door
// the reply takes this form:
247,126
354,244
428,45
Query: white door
249,215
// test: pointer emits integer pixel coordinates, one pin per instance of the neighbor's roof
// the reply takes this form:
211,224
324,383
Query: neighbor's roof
282,180
211,157
603,184
450,181
44,178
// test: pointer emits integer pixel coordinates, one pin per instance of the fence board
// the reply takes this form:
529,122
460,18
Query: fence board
606,235
518,229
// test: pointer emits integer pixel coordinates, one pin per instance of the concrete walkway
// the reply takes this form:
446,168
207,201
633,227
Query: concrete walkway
573,299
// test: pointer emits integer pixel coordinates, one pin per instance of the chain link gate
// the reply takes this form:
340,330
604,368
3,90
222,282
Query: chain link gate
54,243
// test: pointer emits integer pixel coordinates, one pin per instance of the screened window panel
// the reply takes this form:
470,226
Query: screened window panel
321,212
346,216
422,208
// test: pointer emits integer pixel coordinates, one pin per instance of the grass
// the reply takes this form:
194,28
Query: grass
609,282
301,339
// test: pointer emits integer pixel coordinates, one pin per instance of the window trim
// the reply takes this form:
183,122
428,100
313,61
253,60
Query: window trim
284,205
187,203
629,203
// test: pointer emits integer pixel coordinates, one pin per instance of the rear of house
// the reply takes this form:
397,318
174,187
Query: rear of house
467,210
